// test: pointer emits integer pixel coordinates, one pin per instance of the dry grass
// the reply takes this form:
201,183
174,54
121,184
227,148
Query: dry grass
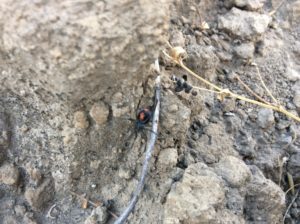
178,54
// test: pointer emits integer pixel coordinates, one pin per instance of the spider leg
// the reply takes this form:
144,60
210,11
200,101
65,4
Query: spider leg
144,135
131,139
148,129
127,118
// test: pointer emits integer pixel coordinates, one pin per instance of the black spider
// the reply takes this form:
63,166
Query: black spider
143,117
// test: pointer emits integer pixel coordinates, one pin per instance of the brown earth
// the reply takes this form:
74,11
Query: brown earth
73,72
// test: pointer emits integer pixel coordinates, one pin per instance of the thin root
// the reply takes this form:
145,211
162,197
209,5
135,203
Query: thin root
277,8
281,162
264,85
290,205
49,212
288,190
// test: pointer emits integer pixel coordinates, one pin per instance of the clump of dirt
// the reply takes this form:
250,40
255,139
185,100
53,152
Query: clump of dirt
77,159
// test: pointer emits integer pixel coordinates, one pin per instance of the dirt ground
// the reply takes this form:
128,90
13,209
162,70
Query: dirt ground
215,161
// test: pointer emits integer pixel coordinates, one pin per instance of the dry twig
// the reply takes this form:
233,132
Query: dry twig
264,85
291,182
251,91
277,8
290,205
176,57
281,163
288,190
49,212
150,146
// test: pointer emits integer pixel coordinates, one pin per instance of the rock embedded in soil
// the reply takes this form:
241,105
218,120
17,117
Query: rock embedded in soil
99,112
251,5
167,158
99,216
170,121
202,60
265,118
214,143
243,24
235,200
195,197
292,74
177,39
224,56
9,174
234,171
245,50
80,120
228,105
39,197
264,200
20,210
125,173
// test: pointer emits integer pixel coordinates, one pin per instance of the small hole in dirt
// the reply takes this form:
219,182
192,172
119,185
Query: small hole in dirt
207,105
127,144
181,164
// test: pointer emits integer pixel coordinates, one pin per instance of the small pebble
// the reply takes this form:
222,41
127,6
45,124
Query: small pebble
125,173
80,120
94,164
244,24
99,113
177,39
167,158
117,97
228,105
9,174
232,76
20,210
265,118
173,108
251,5
99,216
245,50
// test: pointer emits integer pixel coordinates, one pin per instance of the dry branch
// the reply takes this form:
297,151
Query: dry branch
150,146
251,91
264,85
176,56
